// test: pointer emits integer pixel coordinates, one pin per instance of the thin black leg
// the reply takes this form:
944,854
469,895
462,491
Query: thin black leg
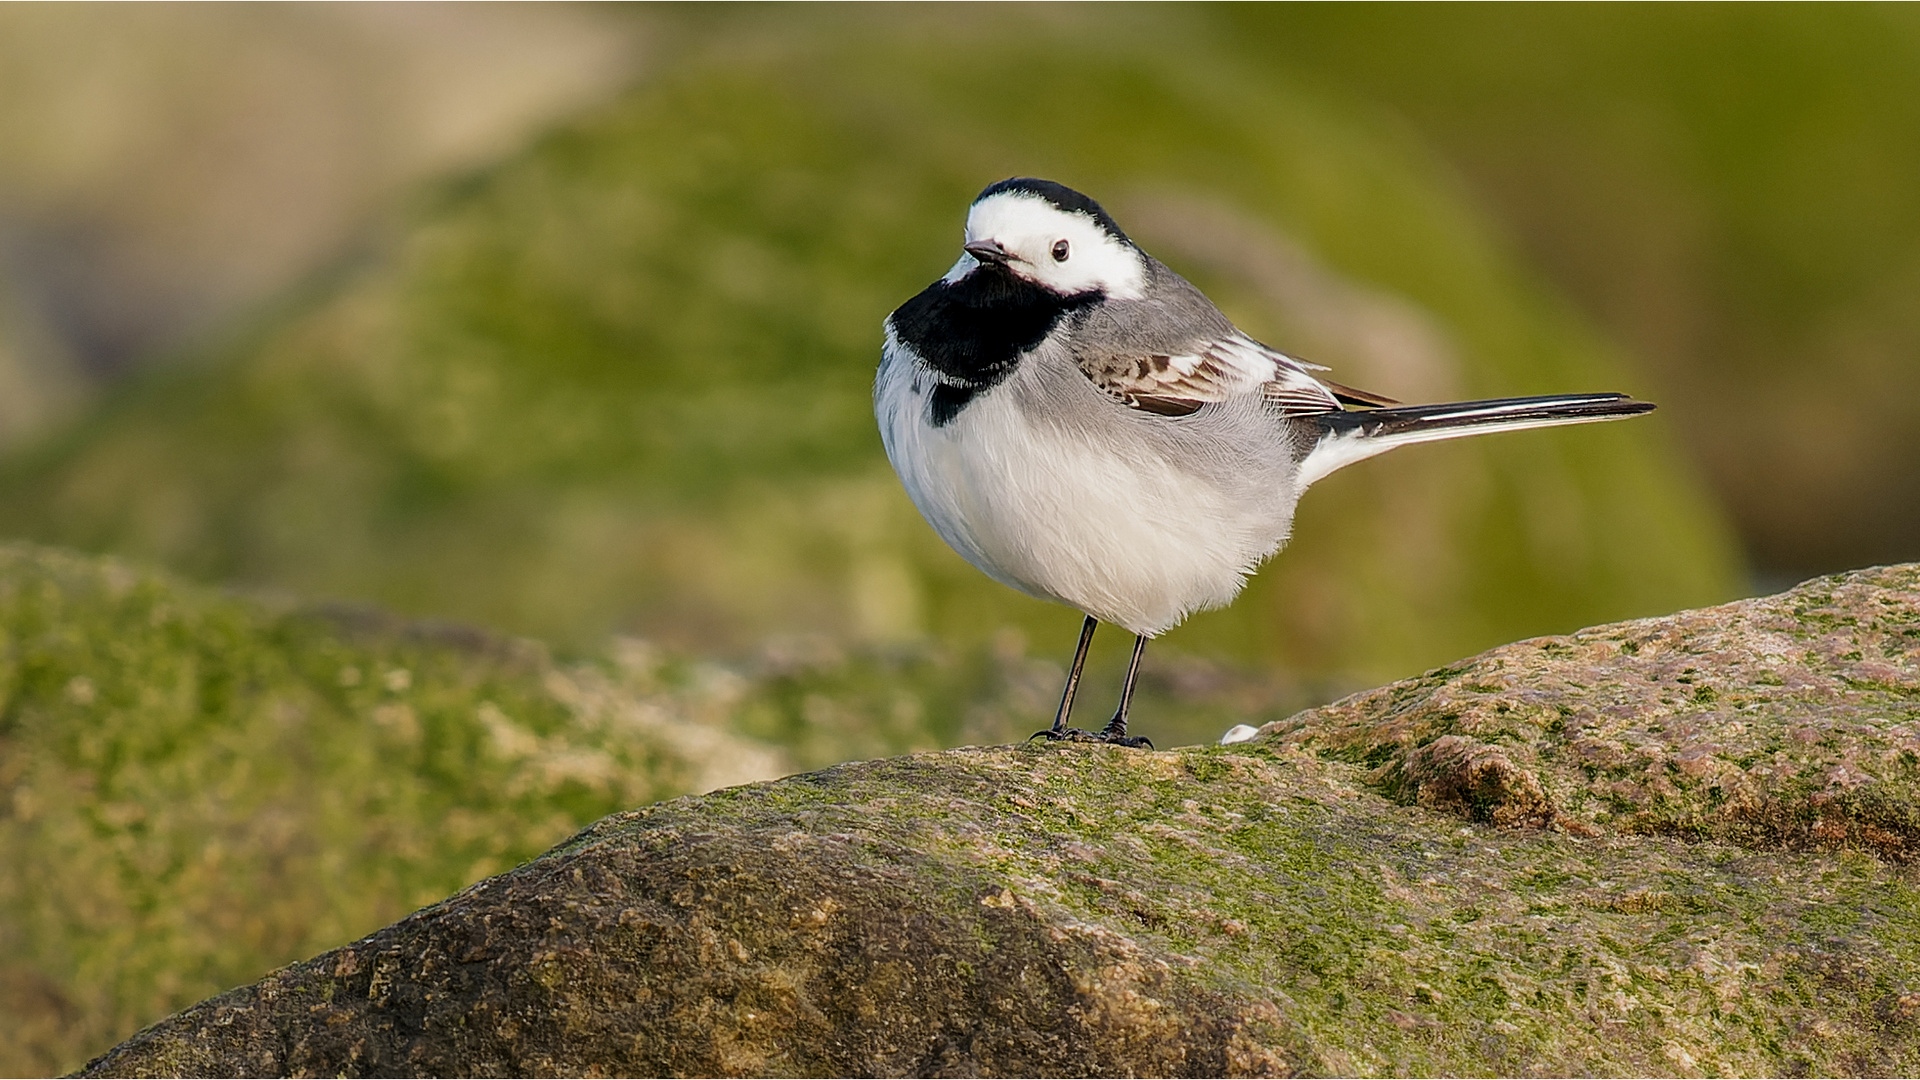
1116,729
1073,675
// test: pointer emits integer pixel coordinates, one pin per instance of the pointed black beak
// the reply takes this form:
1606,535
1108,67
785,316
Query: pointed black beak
989,251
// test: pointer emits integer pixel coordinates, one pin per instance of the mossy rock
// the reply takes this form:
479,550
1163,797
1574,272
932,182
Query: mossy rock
1264,908
1790,720
196,787
621,381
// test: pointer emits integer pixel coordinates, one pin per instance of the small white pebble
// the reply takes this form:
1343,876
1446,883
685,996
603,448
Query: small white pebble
1238,733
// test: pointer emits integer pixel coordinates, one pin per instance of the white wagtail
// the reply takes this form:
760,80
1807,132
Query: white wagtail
1083,425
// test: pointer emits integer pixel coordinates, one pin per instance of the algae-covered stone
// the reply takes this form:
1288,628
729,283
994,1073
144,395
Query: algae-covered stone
1787,720
1255,909
196,787
621,382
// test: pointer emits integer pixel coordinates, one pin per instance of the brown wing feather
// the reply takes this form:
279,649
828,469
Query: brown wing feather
1175,384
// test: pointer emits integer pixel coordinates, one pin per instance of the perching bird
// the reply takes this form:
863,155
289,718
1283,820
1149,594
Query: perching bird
1080,423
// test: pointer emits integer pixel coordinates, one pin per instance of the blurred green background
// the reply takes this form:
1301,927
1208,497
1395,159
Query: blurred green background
558,324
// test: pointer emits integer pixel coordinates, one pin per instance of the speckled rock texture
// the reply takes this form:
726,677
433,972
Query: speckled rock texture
1792,720
1674,846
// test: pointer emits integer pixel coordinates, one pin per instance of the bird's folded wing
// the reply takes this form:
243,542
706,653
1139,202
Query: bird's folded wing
1175,383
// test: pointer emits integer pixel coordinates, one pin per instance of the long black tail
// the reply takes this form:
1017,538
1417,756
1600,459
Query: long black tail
1355,435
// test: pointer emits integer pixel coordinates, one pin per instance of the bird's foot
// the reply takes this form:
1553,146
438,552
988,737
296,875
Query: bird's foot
1108,737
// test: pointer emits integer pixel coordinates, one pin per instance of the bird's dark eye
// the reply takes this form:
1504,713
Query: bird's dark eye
1059,251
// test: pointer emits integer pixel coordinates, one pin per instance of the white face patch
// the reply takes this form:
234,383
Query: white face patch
1030,228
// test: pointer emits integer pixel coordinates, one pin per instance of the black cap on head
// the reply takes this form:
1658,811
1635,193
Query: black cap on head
1061,196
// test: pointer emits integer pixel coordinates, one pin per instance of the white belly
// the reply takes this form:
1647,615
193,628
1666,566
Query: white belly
1092,515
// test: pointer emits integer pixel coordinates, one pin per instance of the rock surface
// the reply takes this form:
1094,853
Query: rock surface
1672,846
1788,721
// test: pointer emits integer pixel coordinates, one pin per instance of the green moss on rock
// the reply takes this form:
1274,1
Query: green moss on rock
1042,910
1790,720
1257,909
195,787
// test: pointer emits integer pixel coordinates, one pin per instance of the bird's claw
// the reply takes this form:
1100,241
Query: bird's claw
1110,738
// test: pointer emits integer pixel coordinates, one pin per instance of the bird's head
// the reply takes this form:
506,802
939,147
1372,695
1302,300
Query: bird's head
1052,236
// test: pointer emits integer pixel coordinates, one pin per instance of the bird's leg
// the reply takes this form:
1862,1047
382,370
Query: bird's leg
1073,674
1116,729
1060,730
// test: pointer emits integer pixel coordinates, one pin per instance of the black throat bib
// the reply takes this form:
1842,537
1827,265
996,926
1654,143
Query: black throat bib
974,331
